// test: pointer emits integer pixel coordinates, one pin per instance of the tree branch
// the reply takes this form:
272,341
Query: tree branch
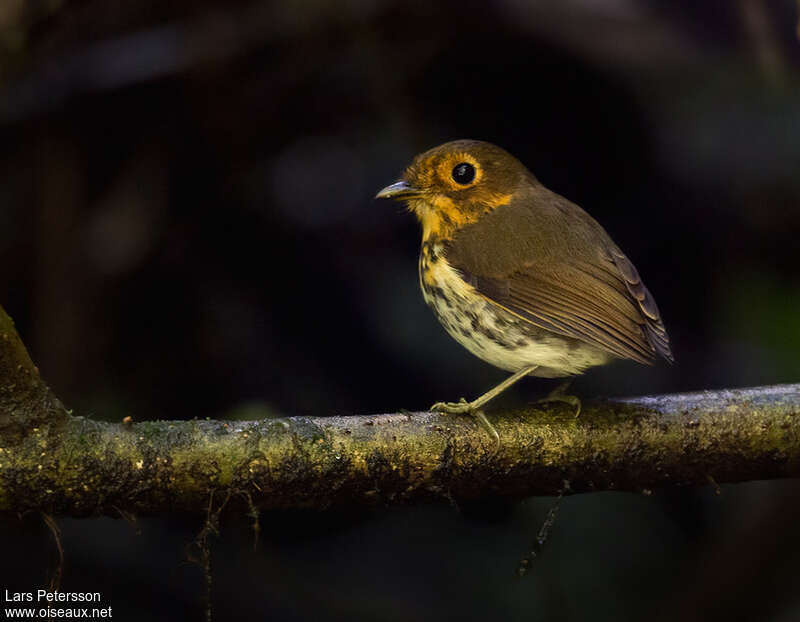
68,465
25,400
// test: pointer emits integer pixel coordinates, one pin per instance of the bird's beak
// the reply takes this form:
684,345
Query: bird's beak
398,190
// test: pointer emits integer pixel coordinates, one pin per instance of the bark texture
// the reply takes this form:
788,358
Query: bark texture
61,464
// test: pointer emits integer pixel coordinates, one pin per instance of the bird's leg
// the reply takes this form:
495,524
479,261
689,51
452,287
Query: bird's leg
464,407
559,395
474,407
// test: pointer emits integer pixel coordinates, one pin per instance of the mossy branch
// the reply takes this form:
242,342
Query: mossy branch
67,465
25,400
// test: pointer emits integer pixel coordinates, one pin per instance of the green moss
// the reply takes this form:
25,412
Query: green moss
81,466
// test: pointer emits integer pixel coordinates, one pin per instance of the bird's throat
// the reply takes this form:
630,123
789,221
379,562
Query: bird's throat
440,217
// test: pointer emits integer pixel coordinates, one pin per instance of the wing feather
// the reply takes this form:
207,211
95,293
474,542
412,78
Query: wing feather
591,292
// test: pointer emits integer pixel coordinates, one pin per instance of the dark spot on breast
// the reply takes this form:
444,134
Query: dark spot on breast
495,336
437,292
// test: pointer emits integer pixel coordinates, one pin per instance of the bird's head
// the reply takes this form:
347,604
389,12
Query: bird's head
454,184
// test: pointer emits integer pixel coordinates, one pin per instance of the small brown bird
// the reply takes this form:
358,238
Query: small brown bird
518,275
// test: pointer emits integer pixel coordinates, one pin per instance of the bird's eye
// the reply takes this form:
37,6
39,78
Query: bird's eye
463,173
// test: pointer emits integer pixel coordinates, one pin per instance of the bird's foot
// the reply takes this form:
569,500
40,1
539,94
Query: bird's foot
558,395
463,407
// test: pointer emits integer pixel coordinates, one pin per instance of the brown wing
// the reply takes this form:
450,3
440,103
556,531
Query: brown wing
558,269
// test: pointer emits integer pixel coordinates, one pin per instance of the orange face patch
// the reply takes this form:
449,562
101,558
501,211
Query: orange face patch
440,205
441,216
445,170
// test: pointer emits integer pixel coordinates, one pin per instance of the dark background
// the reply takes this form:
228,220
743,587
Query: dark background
187,230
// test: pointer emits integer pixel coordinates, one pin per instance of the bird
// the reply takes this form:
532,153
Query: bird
520,276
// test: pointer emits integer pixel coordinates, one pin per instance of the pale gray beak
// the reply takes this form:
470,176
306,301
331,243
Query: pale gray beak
398,190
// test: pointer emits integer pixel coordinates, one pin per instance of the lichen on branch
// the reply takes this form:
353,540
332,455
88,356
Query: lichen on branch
25,400
69,465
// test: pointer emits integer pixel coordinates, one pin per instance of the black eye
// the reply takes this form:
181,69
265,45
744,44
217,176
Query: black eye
463,173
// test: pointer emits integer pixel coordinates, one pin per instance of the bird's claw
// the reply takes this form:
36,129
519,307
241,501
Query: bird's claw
463,407
460,407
